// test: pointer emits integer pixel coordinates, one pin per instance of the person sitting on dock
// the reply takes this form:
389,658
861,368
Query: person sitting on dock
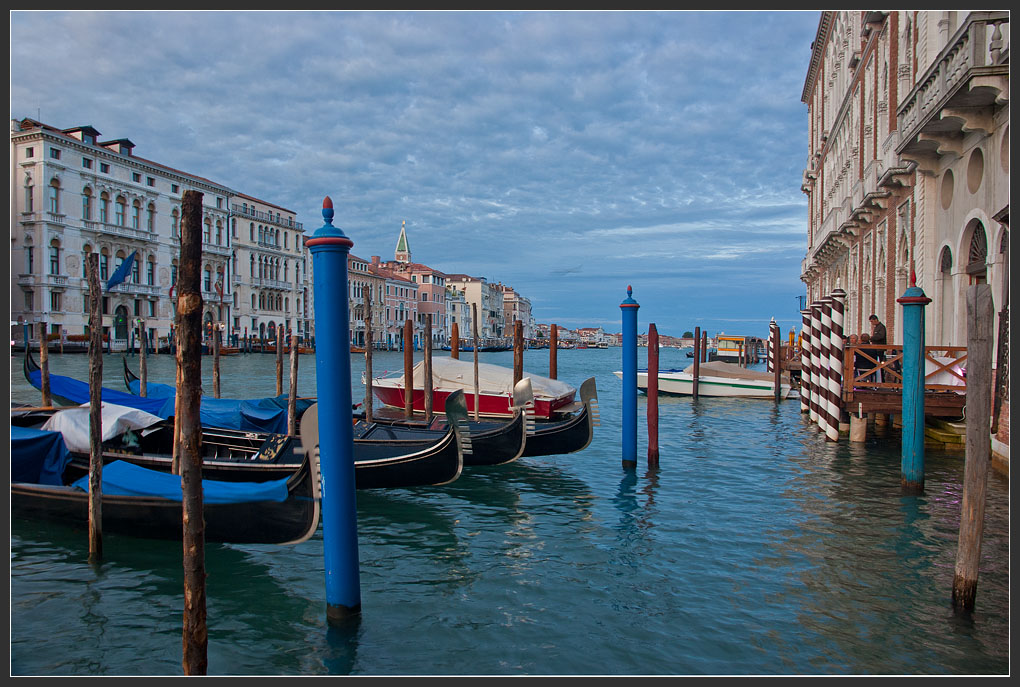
862,362
854,341
878,336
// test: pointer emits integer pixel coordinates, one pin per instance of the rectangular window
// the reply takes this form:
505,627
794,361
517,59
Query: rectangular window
29,304
104,168
30,152
29,259
86,163
86,207
55,153
152,308
30,199
150,181
150,273
104,268
54,260
134,216
55,301
174,188
219,203
138,307
136,177
106,304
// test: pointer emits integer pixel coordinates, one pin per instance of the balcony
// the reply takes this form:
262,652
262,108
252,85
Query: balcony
271,283
260,216
214,249
965,85
117,230
137,289
56,218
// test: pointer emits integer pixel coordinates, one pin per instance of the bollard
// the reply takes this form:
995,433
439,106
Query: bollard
653,396
913,301
408,368
629,308
330,249
980,315
553,345
697,361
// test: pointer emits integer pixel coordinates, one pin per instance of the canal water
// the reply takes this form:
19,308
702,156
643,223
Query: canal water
756,548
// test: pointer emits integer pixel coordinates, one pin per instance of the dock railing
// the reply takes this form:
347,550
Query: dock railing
879,368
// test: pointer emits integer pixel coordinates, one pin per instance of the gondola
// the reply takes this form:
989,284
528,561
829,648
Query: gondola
232,455
492,442
569,432
147,503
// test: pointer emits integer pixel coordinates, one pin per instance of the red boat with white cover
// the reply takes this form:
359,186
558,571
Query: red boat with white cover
495,388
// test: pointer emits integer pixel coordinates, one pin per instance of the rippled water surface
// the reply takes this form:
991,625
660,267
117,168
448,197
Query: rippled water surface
756,548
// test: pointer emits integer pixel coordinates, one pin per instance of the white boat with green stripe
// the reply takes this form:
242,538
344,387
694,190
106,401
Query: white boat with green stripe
716,378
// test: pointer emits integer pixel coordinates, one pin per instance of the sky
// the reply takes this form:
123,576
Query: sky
566,154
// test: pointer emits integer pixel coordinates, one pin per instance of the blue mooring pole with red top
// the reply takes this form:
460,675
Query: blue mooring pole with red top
913,301
330,249
629,308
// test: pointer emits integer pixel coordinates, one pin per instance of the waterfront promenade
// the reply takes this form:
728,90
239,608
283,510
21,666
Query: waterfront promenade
756,548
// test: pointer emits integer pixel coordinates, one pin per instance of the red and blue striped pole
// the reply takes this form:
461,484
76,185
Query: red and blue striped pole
629,308
330,249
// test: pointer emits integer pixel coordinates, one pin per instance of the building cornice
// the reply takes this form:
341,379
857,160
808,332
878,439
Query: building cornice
817,54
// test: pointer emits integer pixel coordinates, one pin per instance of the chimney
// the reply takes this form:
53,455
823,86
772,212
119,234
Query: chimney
375,260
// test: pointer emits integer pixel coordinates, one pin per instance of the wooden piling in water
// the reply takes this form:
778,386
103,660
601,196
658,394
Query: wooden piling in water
704,346
95,408
455,342
652,414
292,391
980,316
279,360
215,343
777,364
518,351
474,326
143,366
189,356
368,355
408,368
698,357
553,343
44,365
427,345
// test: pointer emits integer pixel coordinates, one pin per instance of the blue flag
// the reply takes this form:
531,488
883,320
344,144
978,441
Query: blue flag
121,272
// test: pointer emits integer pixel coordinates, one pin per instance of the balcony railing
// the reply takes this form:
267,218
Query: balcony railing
271,283
116,229
260,216
137,289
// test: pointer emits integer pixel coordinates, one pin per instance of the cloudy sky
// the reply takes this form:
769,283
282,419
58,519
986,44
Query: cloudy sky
567,154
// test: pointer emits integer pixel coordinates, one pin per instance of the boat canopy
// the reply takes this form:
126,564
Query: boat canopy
37,456
227,413
73,424
121,478
460,374
271,404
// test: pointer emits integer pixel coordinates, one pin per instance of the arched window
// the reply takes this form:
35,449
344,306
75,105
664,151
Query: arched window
150,271
207,233
173,272
55,256
286,240
135,270
253,301
55,196
219,233
150,217
29,195
104,264
233,227
977,255
251,231
251,271
286,303
175,227
262,234
119,209
104,207
86,203
286,269
136,215
207,279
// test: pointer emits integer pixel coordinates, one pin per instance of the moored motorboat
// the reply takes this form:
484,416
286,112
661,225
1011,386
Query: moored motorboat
715,378
495,388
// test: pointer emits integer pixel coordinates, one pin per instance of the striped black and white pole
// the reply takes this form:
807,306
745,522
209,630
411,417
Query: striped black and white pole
768,347
836,364
805,361
816,367
824,324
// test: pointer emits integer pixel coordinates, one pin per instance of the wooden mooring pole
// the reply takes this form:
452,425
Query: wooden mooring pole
518,351
292,391
368,355
143,364
427,345
704,346
44,364
652,413
474,326
95,408
699,353
408,368
980,317
455,342
777,364
215,343
553,344
189,357
279,359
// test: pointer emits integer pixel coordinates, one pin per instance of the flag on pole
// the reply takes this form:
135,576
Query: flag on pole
121,273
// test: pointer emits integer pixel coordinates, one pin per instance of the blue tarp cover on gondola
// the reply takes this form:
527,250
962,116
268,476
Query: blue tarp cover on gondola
37,457
126,479
249,416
